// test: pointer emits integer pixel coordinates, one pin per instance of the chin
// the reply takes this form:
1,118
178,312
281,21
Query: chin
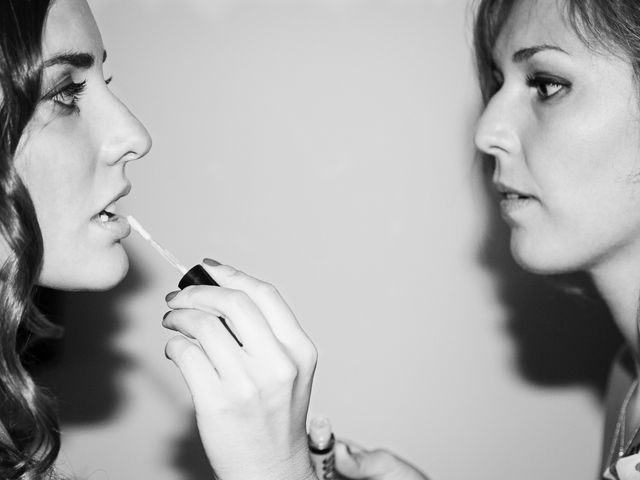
542,258
108,277
98,273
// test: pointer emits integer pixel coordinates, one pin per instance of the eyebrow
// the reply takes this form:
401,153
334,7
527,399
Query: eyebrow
525,54
75,59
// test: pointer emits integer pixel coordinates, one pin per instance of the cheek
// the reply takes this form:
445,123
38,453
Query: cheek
584,166
59,174
60,165
592,148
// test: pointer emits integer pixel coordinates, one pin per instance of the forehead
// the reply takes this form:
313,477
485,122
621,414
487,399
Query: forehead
537,22
70,26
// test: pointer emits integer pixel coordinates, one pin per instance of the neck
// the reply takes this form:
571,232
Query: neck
619,284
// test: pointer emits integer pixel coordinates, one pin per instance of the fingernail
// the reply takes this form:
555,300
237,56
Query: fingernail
211,262
170,296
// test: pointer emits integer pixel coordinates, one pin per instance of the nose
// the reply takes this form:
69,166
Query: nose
497,128
126,137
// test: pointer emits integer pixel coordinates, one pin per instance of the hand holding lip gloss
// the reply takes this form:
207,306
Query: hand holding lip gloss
251,402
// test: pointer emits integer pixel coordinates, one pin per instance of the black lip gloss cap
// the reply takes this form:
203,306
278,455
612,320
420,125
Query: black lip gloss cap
197,276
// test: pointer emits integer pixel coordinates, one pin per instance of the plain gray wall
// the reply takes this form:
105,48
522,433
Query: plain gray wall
326,146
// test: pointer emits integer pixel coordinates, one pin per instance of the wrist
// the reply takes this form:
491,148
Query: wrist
289,471
296,467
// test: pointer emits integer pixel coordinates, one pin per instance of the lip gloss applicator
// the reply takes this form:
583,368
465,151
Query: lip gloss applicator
197,275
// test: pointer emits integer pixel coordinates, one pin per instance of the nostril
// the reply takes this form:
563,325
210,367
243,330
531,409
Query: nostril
134,144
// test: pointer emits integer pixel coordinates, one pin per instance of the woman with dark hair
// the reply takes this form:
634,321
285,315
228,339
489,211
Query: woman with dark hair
59,161
65,143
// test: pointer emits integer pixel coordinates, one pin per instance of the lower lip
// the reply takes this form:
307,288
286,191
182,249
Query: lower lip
511,206
117,226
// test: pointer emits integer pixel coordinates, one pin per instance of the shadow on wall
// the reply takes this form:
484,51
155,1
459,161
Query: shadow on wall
562,338
189,457
82,369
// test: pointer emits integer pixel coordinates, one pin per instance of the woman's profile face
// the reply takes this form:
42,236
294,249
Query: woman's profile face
73,154
563,127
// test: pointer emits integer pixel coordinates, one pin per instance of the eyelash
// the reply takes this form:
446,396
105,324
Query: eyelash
73,91
542,83
538,81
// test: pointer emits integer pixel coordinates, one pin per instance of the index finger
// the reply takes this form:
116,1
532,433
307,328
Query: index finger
243,315
280,317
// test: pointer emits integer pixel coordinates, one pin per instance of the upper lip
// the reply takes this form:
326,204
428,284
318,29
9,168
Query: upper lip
504,188
123,192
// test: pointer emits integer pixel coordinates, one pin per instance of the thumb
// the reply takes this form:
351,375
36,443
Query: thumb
356,463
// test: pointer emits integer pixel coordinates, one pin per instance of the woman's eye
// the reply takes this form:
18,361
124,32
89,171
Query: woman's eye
68,95
547,87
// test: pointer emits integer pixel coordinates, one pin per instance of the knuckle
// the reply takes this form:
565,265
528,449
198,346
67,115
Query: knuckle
311,359
237,298
204,327
307,356
187,294
266,289
234,273
180,350
246,394
189,353
285,373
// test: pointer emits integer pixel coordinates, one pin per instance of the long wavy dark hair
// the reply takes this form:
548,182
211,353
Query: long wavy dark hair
29,434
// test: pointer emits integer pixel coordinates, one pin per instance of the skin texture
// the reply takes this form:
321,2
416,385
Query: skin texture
73,160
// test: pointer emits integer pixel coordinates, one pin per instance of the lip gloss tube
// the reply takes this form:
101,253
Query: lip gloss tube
321,448
196,275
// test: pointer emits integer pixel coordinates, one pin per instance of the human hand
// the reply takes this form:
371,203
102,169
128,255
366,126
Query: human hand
355,463
251,403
